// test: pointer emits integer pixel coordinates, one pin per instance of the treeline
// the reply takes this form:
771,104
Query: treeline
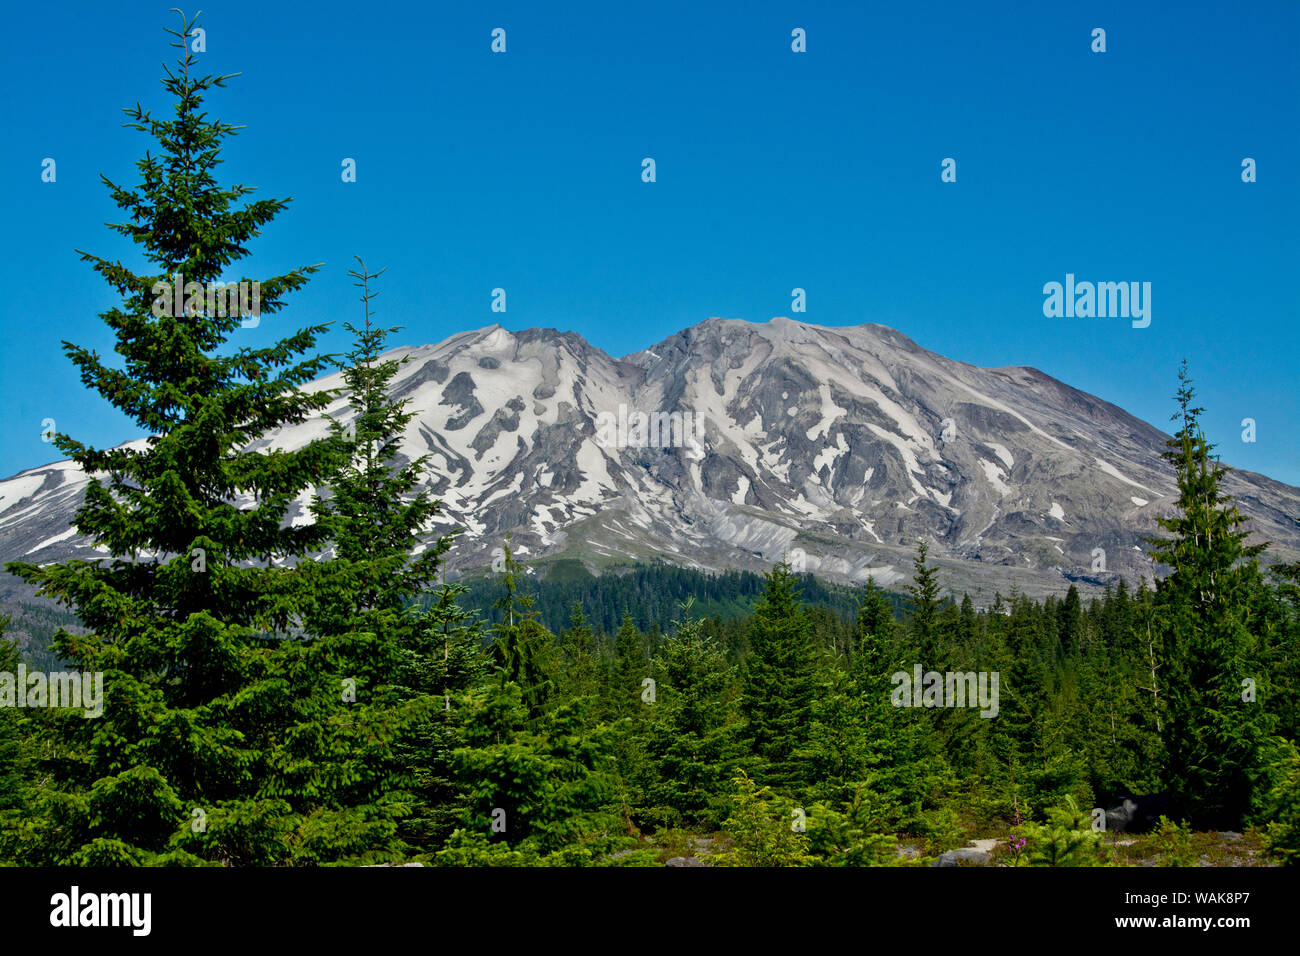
650,595
273,697
33,626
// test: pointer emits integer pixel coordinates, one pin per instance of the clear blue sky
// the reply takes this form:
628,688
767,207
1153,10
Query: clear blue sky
775,170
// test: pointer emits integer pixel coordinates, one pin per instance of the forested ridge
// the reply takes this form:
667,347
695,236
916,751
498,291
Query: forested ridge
310,694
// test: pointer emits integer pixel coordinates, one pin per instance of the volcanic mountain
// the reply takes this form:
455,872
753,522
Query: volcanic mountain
734,444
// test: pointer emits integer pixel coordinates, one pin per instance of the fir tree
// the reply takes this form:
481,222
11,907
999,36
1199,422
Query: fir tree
1213,737
522,644
190,614
373,514
924,620
539,782
1071,621
630,667
582,659
877,654
689,734
779,679
443,660
11,774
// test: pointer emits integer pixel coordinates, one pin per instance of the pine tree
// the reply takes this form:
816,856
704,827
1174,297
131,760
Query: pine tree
689,734
924,620
1213,737
373,514
443,660
185,614
522,643
876,654
779,679
11,777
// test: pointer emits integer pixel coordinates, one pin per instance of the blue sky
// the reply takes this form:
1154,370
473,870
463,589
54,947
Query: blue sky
775,170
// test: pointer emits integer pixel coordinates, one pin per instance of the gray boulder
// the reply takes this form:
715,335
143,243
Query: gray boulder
1138,814
966,856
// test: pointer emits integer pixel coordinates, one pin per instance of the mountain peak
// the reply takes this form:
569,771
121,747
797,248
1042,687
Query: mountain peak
835,447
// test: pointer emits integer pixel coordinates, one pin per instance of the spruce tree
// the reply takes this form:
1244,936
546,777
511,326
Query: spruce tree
523,644
1213,736
924,620
372,511
876,654
443,662
11,775
630,668
779,679
536,782
582,659
225,736
689,732
1070,621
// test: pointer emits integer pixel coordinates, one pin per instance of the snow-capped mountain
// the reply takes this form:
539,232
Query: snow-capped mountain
733,444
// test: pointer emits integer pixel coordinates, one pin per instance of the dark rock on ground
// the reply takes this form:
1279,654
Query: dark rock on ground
1138,814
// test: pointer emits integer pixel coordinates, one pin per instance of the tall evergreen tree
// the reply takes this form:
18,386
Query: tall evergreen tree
924,620
10,739
582,658
373,513
630,668
522,643
1213,736
443,659
877,653
779,679
1070,621
690,731
191,620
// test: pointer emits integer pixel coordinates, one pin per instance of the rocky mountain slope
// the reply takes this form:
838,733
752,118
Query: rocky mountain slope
732,444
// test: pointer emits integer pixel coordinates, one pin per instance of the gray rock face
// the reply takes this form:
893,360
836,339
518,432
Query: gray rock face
684,861
964,857
834,447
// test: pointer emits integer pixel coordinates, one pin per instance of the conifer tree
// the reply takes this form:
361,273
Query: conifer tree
582,660
689,732
536,782
924,620
10,740
522,643
779,679
1071,621
443,660
876,654
630,667
373,513
193,620
1213,736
